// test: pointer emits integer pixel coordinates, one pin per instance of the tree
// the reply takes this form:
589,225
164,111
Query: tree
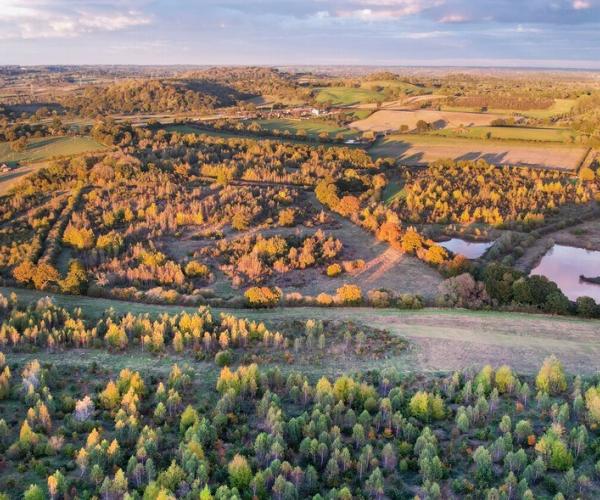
44,275
24,272
483,465
240,473
592,403
76,280
551,377
34,492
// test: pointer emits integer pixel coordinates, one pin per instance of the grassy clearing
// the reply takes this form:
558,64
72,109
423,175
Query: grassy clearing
441,339
413,149
392,192
311,127
191,129
49,147
511,133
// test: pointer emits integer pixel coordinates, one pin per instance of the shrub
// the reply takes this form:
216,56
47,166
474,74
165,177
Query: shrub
195,269
324,299
224,358
349,294
334,270
380,298
262,296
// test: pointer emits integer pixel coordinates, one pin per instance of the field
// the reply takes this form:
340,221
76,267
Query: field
421,149
347,96
49,147
312,127
439,339
392,119
560,107
512,133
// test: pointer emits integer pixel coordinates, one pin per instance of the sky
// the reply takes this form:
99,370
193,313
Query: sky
535,33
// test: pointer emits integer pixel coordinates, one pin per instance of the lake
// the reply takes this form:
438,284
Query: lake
470,249
564,264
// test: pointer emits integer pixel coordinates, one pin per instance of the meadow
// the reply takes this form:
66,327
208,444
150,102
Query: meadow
312,127
49,147
561,135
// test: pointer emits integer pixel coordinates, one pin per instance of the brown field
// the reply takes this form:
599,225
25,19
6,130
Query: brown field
392,119
418,150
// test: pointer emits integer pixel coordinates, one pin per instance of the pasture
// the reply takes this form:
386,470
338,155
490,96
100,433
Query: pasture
46,148
392,119
312,127
511,133
347,96
414,150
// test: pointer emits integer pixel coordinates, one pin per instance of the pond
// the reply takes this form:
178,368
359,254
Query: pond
470,249
564,265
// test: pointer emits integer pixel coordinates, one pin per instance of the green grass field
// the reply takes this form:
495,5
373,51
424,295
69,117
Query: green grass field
347,96
43,149
560,107
368,92
511,133
407,88
312,127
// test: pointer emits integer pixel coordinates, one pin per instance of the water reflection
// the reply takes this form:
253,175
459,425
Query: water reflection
564,265
470,249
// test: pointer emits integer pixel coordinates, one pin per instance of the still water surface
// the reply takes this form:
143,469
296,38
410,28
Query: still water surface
564,264
470,249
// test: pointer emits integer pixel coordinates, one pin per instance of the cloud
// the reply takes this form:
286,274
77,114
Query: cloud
453,18
581,5
29,19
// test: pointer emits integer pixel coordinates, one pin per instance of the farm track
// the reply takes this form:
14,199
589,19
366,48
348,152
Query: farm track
439,339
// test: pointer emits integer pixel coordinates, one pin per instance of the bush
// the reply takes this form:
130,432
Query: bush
224,358
195,269
324,299
334,270
349,294
380,298
262,296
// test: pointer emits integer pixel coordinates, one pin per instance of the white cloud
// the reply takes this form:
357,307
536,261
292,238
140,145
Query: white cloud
581,4
453,18
382,10
29,19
